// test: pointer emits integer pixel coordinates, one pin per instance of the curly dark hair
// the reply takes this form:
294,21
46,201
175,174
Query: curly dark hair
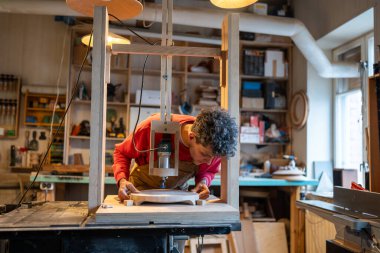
216,128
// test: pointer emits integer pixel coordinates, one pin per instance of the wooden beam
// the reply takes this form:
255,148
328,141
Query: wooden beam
230,83
98,109
373,136
166,50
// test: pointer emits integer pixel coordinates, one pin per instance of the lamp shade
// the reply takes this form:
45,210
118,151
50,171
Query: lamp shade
111,39
232,4
122,9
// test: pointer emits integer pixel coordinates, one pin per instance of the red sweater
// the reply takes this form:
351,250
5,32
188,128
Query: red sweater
125,151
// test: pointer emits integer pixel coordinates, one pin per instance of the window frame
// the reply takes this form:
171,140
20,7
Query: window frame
361,42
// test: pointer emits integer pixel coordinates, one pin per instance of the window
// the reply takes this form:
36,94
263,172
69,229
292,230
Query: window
350,107
349,145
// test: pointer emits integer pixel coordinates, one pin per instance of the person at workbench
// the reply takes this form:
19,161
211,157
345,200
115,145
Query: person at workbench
203,141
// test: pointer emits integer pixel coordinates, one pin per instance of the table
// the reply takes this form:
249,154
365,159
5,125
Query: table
297,219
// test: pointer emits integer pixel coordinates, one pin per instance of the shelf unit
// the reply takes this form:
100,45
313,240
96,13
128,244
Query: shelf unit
127,70
39,109
185,87
267,150
79,114
40,112
10,87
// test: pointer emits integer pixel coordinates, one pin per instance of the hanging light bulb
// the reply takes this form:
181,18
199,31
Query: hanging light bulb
111,39
232,4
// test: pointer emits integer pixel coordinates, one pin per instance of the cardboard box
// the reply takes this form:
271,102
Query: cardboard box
249,130
274,63
260,8
250,138
149,97
253,103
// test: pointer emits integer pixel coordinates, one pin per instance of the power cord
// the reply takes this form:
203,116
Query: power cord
142,84
60,124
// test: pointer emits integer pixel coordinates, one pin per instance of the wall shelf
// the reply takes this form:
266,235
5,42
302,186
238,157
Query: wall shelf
264,110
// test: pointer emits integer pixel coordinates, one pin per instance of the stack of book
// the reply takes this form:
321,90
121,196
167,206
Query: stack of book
208,95
253,62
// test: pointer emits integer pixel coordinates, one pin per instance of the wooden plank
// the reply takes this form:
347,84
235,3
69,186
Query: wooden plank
164,50
296,239
317,231
374,148
211,213
247,237
235,239
98,109
230,101
269,237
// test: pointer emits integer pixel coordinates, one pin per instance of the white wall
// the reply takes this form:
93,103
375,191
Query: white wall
320,123
323,16
31,47
315,141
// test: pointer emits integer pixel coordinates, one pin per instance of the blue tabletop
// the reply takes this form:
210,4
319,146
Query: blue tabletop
243,181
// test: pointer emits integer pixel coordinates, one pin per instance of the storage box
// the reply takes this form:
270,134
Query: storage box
250,138
253,62
251,89
149,97
260,8
249,130
274,63
253,103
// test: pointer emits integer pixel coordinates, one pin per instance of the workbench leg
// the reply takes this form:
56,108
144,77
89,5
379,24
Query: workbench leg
297,223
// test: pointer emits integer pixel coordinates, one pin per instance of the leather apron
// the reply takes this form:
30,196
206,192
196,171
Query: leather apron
141,179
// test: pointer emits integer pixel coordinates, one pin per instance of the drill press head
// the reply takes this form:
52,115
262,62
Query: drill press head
164,151
165,167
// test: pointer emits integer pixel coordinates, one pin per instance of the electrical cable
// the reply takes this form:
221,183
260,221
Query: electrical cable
139,111
141,88
58,81
138,35
60,124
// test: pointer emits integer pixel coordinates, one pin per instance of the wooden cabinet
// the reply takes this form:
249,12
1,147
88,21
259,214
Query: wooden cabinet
9,106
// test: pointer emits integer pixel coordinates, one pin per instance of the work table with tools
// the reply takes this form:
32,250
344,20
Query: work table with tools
66,225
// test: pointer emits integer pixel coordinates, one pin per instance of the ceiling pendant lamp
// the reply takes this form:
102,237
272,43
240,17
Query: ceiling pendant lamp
232,4
111,39
122,9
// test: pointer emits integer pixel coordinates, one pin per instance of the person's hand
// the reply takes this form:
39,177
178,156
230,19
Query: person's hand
125,187
202,190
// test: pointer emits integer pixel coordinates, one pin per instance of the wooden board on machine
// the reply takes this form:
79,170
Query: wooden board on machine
269,237
211,213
